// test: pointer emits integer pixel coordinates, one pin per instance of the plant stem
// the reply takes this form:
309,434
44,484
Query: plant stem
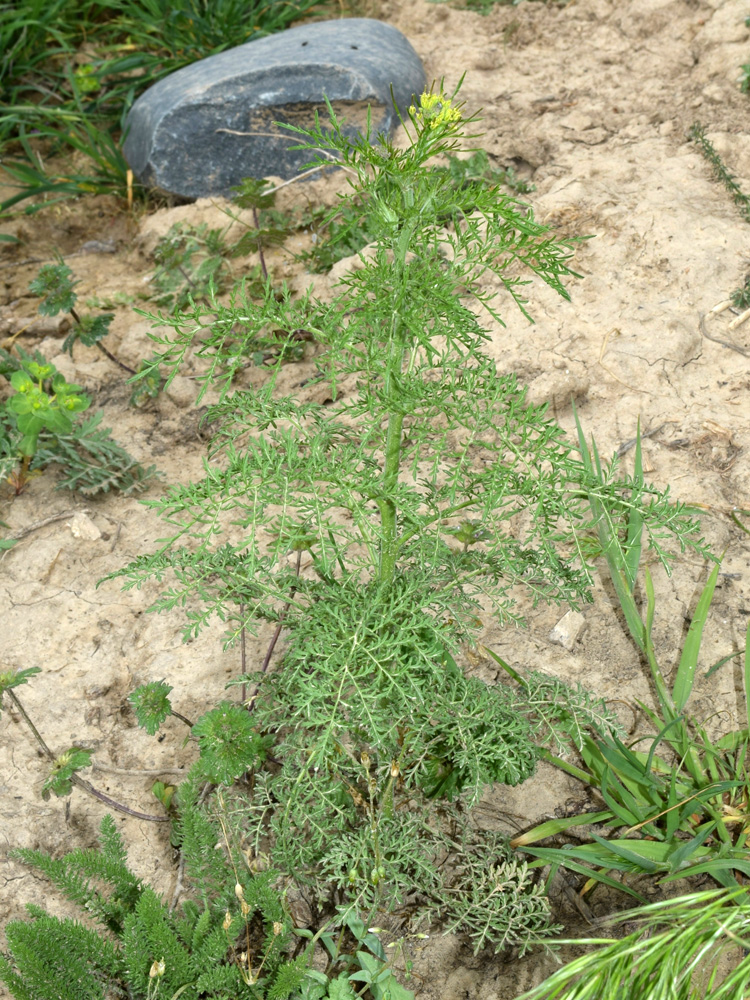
274,639
243,654
38,736
81,782
569,768
261,255
182,718
399,337
121,364
387,506
113,804
102,348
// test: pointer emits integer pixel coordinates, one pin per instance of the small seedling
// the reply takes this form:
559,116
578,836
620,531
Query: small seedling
745,78
63,773
191,263
55,283
741,296
194,260
152,706
698,134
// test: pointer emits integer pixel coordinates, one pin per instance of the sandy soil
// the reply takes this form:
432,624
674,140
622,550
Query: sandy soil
592,103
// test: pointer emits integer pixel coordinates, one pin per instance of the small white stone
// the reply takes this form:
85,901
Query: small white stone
81,526
568,630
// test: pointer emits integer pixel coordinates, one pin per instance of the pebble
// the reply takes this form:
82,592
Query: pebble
568,630
81,526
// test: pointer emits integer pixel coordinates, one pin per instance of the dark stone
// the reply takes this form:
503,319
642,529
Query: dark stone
202,129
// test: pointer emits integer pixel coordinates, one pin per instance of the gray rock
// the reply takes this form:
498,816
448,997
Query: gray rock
200,130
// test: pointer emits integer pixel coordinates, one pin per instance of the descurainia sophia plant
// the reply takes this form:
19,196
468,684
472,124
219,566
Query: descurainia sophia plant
423,492
378,527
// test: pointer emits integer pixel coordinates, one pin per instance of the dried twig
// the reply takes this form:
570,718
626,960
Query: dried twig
724,343
76,779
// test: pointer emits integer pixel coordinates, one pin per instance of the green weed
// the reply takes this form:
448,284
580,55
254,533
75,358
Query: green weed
39,428
238,939
349,228
36,406
698,134
745,78
400,492
191,262
63,770
56,286
741,296
485,7
678,798
64,131
232,943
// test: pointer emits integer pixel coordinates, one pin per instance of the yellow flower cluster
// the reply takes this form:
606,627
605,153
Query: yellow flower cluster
434,110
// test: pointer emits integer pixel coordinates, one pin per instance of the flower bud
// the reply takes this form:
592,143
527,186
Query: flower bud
157,970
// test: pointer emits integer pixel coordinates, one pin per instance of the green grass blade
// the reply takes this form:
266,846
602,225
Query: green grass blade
720,663
746,676
688,849
718,868
623,803
706,752
657,740
554,826
582,445
636,860
506,667
665,699
617,561
32,191
552,855
565,765
634,541
673,810
683,684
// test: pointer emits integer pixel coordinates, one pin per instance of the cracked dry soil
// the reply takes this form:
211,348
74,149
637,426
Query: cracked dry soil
592,103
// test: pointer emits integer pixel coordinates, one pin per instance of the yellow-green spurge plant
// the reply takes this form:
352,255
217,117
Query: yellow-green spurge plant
377,523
